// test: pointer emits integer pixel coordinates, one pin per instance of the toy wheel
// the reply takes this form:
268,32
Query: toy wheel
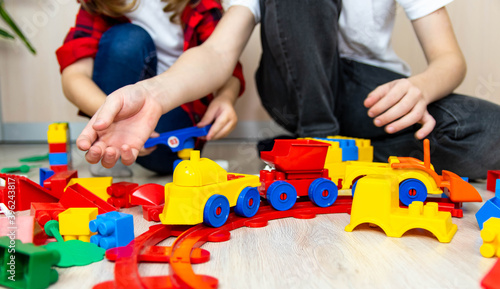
411,190
248,202
281,195
216,211
323,192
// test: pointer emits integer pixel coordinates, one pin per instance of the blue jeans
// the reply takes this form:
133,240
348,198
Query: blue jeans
309,90
126,55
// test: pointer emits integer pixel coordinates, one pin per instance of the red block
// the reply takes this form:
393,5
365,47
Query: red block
59,168
491,180
492,279
77,196
120,194
44,212
152,213
19,192
148,194
59,181
58,147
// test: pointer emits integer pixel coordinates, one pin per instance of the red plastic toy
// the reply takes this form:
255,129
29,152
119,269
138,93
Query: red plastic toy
77,196
19,192
492,279
491,180
58,182
44,212
120,194
148,194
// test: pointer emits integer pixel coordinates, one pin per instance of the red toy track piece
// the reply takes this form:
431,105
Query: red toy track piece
491,180
19,192
120,194
58,182
160,254
77,196
492,279
148,194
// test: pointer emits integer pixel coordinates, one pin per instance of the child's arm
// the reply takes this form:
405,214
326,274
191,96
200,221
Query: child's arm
80,89
129,115
402,103
221,109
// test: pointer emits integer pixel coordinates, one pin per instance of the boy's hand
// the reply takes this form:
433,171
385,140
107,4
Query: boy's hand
120,127
222,110
398,105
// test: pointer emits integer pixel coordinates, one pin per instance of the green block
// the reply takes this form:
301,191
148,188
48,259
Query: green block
26,265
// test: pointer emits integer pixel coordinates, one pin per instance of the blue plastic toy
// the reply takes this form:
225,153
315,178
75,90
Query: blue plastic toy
490,209
349,149
114,229
45,173
180,139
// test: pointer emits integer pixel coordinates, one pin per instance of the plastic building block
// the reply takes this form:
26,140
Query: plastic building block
77,196
365,149
58,133
74,223
348,146
19,192
59,168
148,194
114,229
58,158
27,266
202,191
491,238
45,173
181,256
180,139
152,213
492,279
120,194
23,228
58,182
491,180
491,208
376,201
98,186
44,212
299,171
59,148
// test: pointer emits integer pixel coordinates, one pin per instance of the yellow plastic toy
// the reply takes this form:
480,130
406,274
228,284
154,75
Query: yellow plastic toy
491,238
376,201
98,186
202,191
365,149
58,133
74,223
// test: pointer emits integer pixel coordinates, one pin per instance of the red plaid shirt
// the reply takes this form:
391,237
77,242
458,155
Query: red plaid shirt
198,20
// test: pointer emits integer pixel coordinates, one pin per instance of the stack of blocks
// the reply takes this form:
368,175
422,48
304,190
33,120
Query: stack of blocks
59,147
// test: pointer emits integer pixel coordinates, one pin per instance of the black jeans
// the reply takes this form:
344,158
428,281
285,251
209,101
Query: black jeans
309,90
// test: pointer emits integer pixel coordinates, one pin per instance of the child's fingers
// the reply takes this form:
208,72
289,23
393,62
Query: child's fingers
428,124
395,94
415,115
218,124
209,117
398,110
226,129
377,94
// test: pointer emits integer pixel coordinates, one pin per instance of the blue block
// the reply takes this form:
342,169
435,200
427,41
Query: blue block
350,151
490,209
114,229
180,139
58,159
45,173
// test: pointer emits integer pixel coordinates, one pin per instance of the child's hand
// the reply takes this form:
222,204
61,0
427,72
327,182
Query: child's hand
398,105
120,127
222,110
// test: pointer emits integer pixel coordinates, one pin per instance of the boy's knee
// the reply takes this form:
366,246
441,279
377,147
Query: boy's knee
126,41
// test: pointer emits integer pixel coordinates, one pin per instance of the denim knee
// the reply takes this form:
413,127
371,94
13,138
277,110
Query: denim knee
126,41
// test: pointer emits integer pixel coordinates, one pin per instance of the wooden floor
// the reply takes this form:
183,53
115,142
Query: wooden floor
293,253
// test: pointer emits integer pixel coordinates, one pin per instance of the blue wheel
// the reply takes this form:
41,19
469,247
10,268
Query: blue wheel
411,190
323,192
248,202
216,211
281,195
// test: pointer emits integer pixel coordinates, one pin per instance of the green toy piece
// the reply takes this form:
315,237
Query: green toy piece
26,266
40,158
23,169
74,252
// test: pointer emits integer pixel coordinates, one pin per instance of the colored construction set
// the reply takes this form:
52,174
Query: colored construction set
304,180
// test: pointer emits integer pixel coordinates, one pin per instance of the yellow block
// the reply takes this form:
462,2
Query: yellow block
376,201
58,133
491,238
74,223
98,186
